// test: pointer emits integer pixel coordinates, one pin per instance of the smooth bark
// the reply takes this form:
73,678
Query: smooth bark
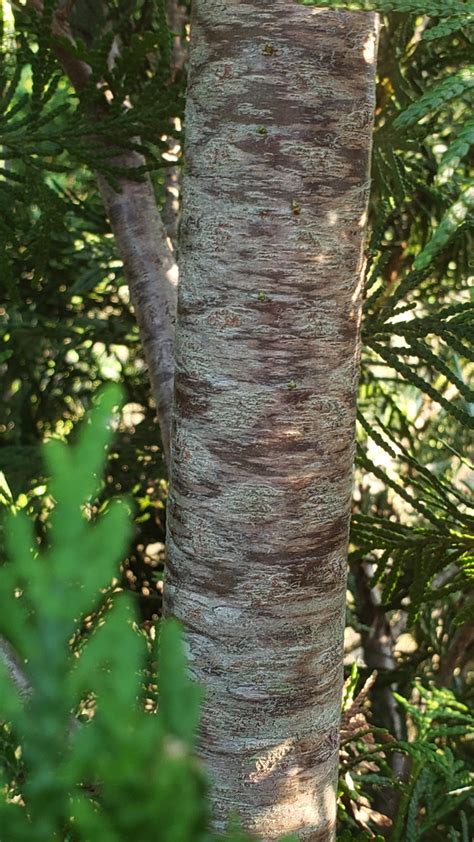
279,122
152,276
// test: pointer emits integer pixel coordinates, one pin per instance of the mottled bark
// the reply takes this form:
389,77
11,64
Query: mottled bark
279,121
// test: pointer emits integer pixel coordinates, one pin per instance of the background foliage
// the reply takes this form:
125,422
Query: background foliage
67,325
67,328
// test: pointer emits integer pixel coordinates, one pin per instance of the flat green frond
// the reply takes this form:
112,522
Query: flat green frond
450,26
440,8
448,227
452,87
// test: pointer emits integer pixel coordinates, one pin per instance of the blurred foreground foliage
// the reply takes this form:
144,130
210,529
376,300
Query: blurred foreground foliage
67,328
86,754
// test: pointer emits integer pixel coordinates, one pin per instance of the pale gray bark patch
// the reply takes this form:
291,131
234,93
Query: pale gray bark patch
152,275
278,128
14,668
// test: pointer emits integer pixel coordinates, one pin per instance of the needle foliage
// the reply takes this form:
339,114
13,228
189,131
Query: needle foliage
80,578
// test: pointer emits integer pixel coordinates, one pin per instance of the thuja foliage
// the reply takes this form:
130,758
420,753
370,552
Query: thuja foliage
419,313
86,755
418,331
435,800
407,754
412,550
124,101
439,8
66,325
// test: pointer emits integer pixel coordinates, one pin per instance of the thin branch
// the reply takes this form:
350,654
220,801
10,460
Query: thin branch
149,264
152,276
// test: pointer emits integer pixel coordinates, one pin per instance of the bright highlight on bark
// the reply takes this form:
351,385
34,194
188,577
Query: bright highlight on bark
279,122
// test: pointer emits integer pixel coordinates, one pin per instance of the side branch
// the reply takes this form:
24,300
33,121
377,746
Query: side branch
152,276
149,264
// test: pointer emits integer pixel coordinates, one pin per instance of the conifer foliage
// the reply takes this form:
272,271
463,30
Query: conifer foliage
412,528
85,754
117,770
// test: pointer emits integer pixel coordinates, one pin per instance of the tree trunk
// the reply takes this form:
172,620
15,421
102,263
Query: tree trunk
279,121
